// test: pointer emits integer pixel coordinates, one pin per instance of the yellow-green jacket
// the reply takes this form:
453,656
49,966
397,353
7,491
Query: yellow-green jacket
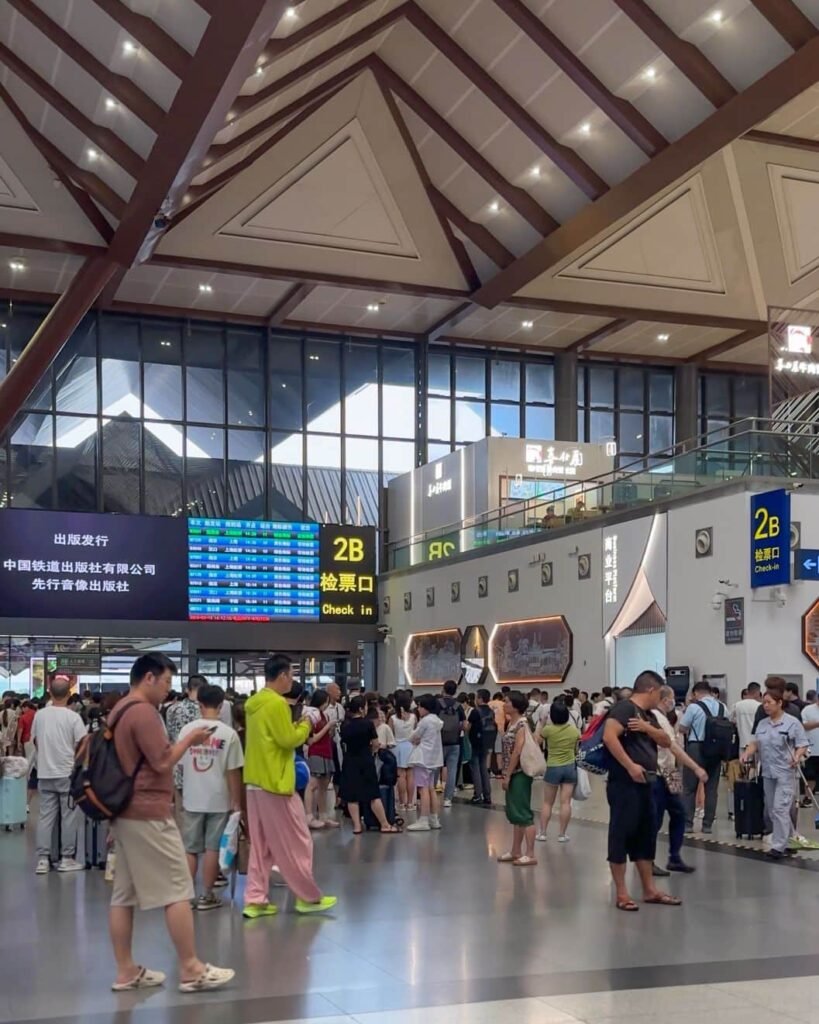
270,742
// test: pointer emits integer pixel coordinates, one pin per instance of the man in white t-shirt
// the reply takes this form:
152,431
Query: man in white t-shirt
334,712
211,790
810,721
55,732
743,714
606,702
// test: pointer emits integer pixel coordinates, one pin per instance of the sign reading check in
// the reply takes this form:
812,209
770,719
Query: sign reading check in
770,538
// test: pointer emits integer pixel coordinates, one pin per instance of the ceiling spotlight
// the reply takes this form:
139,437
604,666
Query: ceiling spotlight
260,69
715,17
527,325
129,48
535,171
3,327
494,206
16,265
373,307
314,359
291,13
165,344
284,385
110,104
585,128
650,74
206,289
92,154
663,337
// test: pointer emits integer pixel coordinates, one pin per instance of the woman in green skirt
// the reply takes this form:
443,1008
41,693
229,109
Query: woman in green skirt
517,785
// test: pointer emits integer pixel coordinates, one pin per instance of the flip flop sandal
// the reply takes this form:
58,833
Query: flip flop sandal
209,979
525,862
143,979
392,831
629,906
665,899
507,858
358,832
330,824
315,825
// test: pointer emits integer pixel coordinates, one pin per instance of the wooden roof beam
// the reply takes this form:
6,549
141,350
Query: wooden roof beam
724,346
479,235
287,305
788,20
278,47
146,31
622,113
457,316
590,340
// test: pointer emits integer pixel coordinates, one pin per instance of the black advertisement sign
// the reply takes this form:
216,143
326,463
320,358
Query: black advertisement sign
78,565
347,582
734,609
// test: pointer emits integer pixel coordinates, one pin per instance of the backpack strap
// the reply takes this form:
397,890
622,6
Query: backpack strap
704,706
112,726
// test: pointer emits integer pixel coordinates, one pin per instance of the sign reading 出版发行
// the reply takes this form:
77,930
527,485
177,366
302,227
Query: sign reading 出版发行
770,538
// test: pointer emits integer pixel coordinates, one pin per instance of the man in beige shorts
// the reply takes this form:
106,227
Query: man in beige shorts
151,868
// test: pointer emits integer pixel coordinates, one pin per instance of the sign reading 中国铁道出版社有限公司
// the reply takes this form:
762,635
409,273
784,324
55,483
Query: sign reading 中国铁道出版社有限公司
770,538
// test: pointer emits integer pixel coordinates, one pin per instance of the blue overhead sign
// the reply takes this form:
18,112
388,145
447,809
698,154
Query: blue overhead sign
806,564
770,538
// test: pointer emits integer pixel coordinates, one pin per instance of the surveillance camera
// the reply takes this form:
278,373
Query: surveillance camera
160,222
716,602
384,630
796,486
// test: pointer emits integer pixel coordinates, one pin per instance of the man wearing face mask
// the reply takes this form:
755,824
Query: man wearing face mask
668,787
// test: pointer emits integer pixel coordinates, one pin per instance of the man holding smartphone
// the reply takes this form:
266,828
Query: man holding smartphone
632,739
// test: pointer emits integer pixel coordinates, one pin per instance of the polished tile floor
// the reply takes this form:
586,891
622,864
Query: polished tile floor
430,927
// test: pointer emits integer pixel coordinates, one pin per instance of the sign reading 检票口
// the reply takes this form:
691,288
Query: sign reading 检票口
770,538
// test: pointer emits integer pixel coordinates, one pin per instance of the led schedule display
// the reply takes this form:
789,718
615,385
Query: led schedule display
252,571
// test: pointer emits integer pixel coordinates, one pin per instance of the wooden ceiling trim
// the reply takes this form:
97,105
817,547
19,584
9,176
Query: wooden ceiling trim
123,89
290,303
590,340
164,47
659,316
223,59
691,62
35,243
788,141
793,76
519,199
345,329
794,26
725,346
452,319
479,235
337,16
110,143
566,159
622,113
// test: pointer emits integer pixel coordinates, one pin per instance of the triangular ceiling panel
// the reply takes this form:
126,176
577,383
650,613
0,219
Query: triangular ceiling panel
339,194
38,207
796,199
672,245
305,205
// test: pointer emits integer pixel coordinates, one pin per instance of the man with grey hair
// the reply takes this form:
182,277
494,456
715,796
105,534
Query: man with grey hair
55,732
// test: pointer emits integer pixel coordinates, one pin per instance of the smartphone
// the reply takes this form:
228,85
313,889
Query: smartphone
212,729
651,777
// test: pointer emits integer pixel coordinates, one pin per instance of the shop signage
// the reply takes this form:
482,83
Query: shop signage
553,461
611,573
74,664
734,610
770,538
798,342
439,485
806,564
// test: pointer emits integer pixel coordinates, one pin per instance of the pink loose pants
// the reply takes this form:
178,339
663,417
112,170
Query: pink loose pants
279,836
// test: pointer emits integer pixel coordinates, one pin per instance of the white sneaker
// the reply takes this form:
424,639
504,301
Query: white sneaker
541,837
422,825
699,813
68,864
434,821
563,839
43,866
447,803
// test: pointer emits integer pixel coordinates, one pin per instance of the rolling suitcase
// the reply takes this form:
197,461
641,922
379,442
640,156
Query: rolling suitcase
749,808
13,803
96,844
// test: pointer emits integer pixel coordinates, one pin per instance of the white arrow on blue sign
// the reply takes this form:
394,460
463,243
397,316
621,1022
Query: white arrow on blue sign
806,564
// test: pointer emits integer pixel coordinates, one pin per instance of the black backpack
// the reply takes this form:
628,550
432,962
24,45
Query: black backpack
489,728
451,732
718,737
99,785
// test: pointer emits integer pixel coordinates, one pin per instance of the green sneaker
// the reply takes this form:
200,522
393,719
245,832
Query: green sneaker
325,903
254,910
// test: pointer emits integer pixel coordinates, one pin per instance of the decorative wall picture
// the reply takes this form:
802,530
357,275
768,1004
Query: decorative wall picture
584,567
430,597
483,586
810,634
455,592
408,602
531,651
513,580
386,605
546,574
433,657
704,542
474,650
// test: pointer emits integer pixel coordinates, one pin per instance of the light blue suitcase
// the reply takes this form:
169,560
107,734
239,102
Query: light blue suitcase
13,802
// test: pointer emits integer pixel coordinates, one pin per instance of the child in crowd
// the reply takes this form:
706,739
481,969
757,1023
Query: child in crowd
426,758
211,790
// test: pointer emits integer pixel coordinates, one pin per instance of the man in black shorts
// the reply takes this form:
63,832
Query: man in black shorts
632,740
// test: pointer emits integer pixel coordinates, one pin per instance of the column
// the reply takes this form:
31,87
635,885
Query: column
566,396
686,383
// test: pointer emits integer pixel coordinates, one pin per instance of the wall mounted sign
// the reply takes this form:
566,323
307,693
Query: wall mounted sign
734,612
513,581
433,657
529,651
770,538
441,484
810,634
441,547
611,572
474,653
806,564
553,461
347,560
546,574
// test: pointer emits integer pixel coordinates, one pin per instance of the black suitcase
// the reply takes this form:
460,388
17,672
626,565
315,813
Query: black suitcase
96,844
749,808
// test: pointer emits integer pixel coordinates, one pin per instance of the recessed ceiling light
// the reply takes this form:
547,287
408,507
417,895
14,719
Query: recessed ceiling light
373,307
92,154
494,206
129,48
535,171
17,265
165,344
650,74
260,69
585,128
3,327
527,325
716,17
110,103
284,385
205,289
663,337
291,12
250,412
314,359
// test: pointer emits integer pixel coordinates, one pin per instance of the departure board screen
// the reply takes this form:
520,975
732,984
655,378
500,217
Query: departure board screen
251,571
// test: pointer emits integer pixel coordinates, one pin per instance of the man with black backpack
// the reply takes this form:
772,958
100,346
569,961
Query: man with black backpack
452,715
483,732
709,737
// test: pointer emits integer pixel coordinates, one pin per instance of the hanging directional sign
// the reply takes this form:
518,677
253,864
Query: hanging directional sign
806,563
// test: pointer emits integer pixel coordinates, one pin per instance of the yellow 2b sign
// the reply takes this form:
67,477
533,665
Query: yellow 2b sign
348,549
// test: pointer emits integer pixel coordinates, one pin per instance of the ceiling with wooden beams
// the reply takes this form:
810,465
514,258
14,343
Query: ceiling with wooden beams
625,179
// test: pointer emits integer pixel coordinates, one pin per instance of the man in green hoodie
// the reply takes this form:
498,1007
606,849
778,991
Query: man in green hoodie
278,829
